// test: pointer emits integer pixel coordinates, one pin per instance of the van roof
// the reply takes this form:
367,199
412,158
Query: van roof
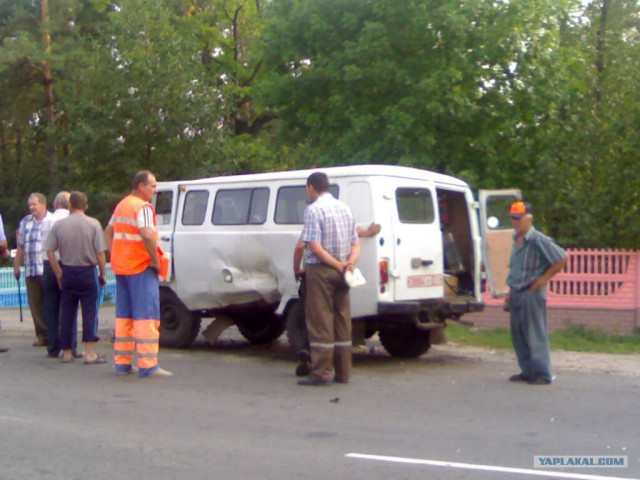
332,173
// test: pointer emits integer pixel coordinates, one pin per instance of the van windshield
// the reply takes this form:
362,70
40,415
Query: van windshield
415,205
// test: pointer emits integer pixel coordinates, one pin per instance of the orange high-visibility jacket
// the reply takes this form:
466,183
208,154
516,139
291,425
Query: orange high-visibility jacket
128,254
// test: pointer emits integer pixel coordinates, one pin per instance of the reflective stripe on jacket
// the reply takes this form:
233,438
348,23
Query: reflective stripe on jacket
128,253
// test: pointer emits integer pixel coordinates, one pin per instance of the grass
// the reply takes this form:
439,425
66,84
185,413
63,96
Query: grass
576,338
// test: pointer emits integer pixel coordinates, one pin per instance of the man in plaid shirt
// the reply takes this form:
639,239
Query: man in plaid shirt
31,252
333,248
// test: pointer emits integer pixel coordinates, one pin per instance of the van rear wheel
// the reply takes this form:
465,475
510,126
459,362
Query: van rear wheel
179,327
259,325
405,341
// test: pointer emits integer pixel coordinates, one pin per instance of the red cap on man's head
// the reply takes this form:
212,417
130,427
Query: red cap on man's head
519,208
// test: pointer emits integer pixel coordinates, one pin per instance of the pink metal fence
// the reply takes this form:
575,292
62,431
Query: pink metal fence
604,279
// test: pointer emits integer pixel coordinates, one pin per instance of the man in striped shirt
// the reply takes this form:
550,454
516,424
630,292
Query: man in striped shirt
333,248
535,259
31,252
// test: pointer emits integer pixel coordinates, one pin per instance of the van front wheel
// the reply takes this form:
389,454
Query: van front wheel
405,341
179,327
259,325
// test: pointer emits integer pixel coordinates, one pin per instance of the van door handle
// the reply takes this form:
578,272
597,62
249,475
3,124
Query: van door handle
417,262
165,239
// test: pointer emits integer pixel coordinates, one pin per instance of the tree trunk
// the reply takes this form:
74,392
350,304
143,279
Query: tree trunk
52,154
19,161
600,48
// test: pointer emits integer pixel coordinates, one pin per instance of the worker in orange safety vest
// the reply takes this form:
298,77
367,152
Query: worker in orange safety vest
132,240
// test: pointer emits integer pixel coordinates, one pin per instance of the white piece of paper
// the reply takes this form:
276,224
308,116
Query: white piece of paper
355,279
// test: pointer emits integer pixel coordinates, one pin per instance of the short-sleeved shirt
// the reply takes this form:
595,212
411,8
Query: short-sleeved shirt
144,218
47,225
30,238
3,237
77,238
329,222
530,260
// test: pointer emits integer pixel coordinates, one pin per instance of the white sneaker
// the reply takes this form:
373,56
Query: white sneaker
161,372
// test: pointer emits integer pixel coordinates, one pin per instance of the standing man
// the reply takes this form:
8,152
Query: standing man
535,259
50,287
4,253
79,239
333,248
132,239
296,324
30,250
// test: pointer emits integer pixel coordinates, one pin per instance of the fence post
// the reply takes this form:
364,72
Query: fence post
636,258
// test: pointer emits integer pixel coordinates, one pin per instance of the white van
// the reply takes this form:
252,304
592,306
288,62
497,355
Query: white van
231,241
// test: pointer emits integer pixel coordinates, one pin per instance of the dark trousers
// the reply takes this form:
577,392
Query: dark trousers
327,309
52,297
36,305
78,286
296,323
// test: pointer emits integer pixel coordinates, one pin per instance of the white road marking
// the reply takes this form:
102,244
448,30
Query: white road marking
486,468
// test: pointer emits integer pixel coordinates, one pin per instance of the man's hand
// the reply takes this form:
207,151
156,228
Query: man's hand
16,271
102,279
537,285
347,267
298,274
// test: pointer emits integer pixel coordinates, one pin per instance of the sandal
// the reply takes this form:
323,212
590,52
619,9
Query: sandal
100,359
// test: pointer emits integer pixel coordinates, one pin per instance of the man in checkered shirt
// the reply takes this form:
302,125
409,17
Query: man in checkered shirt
30,250
332,249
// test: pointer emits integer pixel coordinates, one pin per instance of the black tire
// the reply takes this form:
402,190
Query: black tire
259,325
405,341
179,327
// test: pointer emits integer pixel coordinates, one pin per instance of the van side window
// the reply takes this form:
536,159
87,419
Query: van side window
415,205
195,207
259,204
241,206
291,203
164,206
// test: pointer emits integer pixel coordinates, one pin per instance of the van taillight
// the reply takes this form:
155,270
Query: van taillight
384,274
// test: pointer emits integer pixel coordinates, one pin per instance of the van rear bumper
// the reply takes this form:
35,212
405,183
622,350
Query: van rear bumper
455,308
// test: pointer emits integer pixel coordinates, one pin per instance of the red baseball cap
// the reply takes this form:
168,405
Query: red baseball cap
519,208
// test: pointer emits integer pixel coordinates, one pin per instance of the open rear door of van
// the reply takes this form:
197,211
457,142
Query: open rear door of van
417,242
497,236
165,202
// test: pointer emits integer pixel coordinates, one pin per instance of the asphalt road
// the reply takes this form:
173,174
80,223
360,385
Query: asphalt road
234,411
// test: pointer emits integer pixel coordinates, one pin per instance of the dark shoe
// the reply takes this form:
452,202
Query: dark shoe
39,343
304,364
53,354
77,355
340,380
539,381
3,350
312,381
518,378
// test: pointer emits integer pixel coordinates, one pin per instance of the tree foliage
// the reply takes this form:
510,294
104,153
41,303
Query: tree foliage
536,94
